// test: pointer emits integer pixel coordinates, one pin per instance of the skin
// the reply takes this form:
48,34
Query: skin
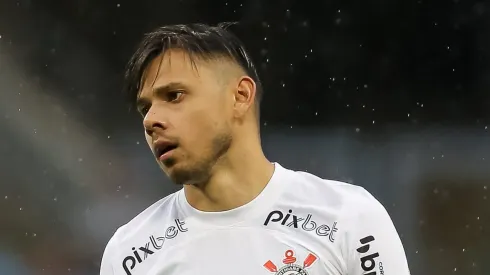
210,112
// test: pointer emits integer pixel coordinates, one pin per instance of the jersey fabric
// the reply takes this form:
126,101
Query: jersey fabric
299,224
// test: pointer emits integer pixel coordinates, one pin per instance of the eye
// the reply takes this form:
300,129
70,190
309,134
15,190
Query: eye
143,110
174,96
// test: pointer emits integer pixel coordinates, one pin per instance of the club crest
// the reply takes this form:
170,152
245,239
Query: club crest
291,266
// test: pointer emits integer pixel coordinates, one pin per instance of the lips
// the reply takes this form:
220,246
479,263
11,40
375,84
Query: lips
161,148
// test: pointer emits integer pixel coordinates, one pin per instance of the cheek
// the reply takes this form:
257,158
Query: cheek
201,127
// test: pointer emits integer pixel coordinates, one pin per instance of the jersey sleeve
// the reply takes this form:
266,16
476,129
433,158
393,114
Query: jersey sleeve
106,264
373,244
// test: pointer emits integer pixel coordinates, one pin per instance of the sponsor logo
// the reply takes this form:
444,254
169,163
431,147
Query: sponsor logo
290,266
140,254
305,223
367,261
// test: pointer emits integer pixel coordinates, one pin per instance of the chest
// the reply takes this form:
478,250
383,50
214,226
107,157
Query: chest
238,251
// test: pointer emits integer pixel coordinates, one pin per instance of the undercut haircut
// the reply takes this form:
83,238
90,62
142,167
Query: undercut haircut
205,42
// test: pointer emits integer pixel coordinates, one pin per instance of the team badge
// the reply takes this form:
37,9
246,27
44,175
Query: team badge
290,266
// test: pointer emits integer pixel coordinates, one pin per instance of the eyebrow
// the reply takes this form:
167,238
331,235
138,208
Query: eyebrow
172,86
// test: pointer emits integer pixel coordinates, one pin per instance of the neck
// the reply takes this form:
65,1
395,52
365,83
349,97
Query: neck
236,179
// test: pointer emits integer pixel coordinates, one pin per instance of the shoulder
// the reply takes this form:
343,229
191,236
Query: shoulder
346,197
159,211
347,203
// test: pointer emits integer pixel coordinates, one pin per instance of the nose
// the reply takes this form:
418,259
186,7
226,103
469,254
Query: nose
153,123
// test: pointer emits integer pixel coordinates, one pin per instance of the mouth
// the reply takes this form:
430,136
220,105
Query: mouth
163,151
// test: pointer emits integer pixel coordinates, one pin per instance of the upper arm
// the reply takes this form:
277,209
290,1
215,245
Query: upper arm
106,267
373,244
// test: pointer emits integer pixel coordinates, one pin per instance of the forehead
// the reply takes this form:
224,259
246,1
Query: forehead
177,66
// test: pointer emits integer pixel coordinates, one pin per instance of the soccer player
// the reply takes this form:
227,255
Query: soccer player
237,213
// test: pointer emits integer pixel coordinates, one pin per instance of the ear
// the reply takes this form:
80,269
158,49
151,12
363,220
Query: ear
244,96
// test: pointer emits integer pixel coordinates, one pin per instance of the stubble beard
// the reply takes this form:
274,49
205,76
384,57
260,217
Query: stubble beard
199,171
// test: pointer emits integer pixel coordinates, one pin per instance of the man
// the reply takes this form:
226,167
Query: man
237,213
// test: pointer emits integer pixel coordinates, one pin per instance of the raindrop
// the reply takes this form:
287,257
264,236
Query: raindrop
358,130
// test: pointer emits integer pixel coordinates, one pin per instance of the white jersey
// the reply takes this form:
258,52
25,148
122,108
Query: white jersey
299,224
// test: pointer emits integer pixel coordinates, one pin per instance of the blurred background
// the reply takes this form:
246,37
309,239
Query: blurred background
391,95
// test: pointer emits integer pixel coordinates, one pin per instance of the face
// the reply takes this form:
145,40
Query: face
186,109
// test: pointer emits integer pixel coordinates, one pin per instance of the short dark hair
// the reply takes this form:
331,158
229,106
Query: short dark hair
201,40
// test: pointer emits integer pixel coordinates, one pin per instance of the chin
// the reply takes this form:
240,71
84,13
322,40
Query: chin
186,174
